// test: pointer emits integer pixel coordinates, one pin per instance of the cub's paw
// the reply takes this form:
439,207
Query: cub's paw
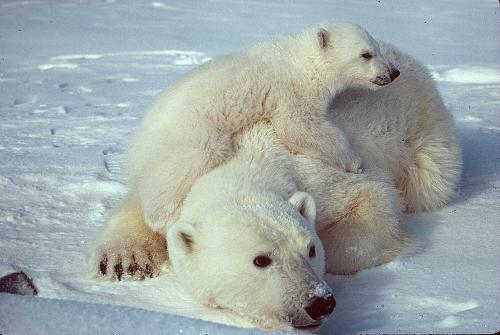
348,161
129,259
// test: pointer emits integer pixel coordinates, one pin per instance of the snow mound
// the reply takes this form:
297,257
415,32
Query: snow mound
470,74
32,316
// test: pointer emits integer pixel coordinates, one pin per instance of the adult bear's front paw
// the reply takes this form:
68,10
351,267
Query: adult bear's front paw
137,260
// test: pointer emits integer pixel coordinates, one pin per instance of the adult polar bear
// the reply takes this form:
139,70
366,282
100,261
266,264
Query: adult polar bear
263,260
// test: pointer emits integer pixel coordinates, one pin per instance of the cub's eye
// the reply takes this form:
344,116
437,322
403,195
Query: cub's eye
312,251
367,55
262,261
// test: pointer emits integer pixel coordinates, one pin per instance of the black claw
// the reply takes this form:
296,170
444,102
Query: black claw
103,265
119,270
149,271
132,268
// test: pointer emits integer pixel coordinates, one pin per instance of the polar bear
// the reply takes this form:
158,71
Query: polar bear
246,239
289,81
263,202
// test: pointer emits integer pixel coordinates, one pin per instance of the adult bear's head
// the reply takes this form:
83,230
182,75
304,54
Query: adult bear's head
260,259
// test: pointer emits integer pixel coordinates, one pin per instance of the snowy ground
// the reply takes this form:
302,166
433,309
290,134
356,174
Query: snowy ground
75,78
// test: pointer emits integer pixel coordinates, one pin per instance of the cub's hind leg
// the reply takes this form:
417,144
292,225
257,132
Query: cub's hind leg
358,217
429,175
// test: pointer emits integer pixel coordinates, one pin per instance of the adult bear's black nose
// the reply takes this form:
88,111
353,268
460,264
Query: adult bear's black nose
394,74
321,307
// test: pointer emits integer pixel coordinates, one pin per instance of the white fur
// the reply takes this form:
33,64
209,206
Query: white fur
261,201
288,81
406,129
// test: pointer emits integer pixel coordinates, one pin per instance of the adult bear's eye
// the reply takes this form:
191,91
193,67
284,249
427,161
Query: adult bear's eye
262,261
312,251
367,55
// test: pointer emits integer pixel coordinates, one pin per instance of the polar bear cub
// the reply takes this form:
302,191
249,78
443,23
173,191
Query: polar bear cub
287,81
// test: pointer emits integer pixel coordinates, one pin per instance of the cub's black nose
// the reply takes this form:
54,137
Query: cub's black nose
395,74
321,307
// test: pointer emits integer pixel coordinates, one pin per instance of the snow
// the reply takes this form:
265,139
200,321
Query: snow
75,78
469,74
24,315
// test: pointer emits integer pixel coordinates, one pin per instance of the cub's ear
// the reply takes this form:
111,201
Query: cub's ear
323,38
305,204
182,235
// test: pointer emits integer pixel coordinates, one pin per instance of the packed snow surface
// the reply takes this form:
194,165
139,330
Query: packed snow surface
75,78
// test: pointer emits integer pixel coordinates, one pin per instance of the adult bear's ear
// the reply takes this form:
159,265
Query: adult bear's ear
182,235
324,38
305,204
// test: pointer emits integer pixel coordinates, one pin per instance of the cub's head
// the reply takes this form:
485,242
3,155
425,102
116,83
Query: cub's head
349,57
261,260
